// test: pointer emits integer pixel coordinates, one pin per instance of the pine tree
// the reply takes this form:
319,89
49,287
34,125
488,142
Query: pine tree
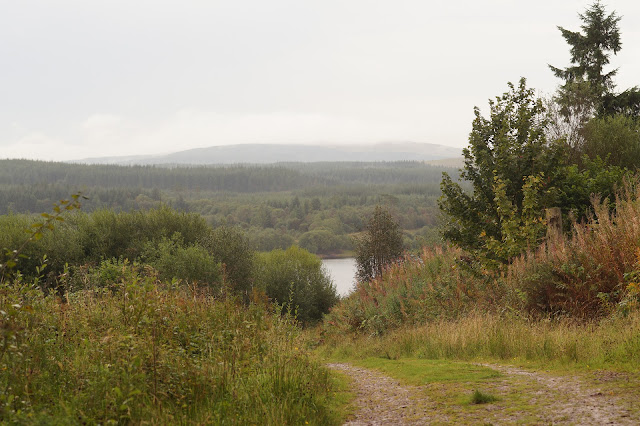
591,49
587,88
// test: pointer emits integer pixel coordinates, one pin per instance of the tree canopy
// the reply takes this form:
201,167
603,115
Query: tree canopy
588,88
591,49
509,163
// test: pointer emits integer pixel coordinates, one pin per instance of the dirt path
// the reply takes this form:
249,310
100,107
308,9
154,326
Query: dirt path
381,400
526,397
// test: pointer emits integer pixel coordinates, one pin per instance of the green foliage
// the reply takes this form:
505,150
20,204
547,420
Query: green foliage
109,274
519,232
35,232
577,186
294,278
587,88
323,241
270,239
291,199
108,234
89,238
147,353
379,246
626,103
590,52
173,259
479,397
230,246
615,139
508,153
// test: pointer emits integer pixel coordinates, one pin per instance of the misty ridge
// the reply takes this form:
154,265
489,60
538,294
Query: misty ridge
276,153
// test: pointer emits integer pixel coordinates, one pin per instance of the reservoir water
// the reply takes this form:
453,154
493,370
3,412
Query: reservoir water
342,272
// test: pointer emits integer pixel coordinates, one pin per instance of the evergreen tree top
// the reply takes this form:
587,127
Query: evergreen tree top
591,49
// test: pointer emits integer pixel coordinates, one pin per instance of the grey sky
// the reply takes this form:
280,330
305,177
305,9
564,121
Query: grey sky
86,78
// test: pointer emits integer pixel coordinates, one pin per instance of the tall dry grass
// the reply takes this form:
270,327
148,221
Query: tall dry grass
587,274
614,342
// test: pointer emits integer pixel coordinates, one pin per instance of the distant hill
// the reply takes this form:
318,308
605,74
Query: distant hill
272,153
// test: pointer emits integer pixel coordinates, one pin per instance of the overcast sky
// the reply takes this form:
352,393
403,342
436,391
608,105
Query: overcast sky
88,78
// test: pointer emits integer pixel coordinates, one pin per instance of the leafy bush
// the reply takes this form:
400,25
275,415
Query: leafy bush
270,239
175,260
615,139
90,238
230,246
295,278
107,234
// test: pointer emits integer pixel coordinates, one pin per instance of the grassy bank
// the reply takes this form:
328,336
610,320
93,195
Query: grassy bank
612,343
571,302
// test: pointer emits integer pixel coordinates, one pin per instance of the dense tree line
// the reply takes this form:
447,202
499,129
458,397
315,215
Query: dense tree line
238,178
316,205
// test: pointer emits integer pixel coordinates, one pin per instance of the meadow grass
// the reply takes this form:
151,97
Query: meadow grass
145,351
422,371
447,361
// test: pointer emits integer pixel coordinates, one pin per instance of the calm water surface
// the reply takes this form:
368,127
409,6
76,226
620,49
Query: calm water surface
343,272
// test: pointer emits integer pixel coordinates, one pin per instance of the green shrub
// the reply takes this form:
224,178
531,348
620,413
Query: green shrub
173,259
323,241
269,239
107,234
614,138
479,397
295,278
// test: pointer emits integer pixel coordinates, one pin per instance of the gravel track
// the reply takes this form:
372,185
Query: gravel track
381,400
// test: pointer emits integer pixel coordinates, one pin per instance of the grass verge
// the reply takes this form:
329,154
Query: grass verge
613,343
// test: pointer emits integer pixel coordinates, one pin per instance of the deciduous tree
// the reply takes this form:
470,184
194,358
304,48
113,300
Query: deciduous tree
512,168
378,246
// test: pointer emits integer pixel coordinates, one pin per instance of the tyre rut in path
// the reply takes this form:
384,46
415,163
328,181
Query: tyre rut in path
380,400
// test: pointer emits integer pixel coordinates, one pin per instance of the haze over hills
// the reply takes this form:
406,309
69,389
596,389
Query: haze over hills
275,153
